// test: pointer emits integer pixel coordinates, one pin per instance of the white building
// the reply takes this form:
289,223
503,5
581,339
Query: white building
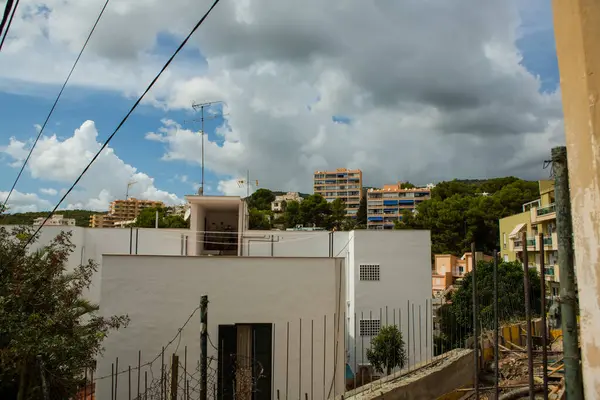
55,220
255,310
277,204
367,279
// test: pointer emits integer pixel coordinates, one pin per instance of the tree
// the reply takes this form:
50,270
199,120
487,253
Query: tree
406,221
261,199
259,219
315,211
458,315
458,213
407,185
338,214
387,350
291,215
45,318
361,214
147,219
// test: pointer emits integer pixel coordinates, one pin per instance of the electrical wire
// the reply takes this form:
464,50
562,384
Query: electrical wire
53,105
7,9
138,101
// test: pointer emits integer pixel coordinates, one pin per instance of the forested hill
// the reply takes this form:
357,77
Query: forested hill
460,212
82,217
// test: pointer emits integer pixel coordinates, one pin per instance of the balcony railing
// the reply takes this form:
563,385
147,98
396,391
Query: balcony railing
547,240
531,242
546,210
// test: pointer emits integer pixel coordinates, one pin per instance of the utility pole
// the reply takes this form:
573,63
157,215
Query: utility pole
568,293
475,319
576,30
202,106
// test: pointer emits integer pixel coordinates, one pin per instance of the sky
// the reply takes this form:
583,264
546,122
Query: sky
412,90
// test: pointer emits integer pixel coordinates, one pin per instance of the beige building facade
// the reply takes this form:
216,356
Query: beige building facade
122,210
345,184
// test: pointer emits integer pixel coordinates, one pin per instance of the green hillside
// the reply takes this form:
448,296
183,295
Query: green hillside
82,217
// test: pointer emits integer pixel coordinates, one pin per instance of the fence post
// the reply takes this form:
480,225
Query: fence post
174,376
544,326
203,347
568,294
527,314
496,349
475,320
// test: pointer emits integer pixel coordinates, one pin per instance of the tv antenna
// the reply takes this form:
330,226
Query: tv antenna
202,106
129,184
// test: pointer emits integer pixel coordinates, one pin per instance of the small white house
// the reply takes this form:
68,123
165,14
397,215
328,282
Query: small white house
285,315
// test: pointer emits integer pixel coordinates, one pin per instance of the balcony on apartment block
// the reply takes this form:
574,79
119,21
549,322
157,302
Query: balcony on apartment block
550,243
542,214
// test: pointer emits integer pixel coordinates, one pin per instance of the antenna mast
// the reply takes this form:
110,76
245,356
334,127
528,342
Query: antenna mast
129,184
202,106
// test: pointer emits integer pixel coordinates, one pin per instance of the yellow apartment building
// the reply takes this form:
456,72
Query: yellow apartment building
122,210
345,184
538,216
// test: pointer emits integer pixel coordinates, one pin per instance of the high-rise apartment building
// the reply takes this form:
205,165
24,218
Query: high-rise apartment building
122,210
386,205
345,184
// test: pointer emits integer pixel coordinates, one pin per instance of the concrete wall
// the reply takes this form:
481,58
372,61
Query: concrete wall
160,293
455,371
92,243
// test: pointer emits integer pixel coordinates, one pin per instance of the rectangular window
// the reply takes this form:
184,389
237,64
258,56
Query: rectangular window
506,258
369,327
369,272
504,240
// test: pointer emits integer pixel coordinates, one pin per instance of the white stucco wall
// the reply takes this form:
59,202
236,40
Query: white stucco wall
159,293
92,243
404,259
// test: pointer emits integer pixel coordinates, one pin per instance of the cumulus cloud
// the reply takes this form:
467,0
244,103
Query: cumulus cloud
435,90
233,187
61,161
25,202
48,191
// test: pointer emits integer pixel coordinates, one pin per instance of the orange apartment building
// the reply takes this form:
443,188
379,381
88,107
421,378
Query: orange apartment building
386,205
345,184
122,210
449,269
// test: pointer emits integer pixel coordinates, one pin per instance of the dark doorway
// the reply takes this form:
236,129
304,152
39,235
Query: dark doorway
245,362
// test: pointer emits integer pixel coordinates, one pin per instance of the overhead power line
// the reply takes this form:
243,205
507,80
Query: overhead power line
7,10
53,105
137,102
